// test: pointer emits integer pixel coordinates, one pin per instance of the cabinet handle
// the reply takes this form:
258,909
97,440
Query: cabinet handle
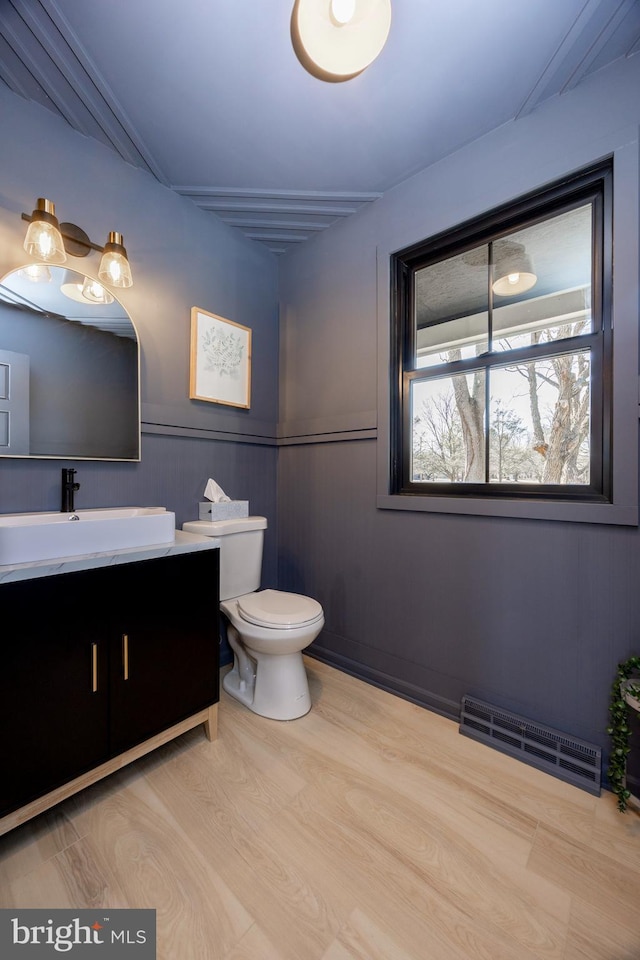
125,655
94,667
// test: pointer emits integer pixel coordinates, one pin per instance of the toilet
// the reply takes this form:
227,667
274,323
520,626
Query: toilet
266,629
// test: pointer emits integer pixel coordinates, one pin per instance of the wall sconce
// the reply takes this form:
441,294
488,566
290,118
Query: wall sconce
513,270
114,266
336,40
50,241
43,239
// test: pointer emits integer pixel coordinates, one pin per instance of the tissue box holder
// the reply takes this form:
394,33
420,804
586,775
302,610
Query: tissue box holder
228,510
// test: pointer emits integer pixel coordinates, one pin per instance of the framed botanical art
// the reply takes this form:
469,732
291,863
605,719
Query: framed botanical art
220,360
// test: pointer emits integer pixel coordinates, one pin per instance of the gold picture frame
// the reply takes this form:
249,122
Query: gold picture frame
220,367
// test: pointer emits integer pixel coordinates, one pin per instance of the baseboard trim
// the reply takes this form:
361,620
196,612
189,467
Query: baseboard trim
407,691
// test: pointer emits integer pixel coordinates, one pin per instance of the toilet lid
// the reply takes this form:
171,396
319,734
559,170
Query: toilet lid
274,608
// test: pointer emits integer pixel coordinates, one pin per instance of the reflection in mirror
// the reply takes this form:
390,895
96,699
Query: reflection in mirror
69,368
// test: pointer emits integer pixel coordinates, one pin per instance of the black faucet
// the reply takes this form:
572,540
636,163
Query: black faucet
69,487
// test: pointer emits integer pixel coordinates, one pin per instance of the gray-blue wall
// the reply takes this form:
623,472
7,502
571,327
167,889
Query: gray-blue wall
530,614
181,257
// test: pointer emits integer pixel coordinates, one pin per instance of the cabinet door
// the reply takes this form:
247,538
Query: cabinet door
164,656
53,686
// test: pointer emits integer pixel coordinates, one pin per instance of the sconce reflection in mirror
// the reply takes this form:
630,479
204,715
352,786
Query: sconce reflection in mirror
50,241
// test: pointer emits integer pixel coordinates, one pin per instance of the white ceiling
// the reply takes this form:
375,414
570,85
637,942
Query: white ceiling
208,95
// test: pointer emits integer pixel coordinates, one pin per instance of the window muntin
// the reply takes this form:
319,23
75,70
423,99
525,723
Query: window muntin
498,394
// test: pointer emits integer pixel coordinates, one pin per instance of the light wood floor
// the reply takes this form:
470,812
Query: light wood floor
368,830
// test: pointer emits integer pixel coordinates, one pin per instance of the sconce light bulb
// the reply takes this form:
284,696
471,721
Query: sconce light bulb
44,242
513,278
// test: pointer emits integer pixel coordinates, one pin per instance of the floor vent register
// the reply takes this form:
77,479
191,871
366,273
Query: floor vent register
554,752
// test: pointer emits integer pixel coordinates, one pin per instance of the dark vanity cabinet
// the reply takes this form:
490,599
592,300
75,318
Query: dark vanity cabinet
164,658
53,723
99,661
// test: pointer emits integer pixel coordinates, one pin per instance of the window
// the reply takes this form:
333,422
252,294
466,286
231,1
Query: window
501,347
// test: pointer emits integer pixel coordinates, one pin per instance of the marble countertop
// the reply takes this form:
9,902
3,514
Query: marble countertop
183,543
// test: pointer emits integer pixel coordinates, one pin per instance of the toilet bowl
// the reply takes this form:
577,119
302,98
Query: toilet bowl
267,632
267,629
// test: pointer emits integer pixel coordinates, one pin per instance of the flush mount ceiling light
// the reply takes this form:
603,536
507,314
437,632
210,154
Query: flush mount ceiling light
49,241
336,40
513,270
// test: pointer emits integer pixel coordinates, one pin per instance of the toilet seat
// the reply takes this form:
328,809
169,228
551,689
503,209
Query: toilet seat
275,608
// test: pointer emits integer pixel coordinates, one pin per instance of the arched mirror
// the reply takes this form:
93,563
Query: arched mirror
69,368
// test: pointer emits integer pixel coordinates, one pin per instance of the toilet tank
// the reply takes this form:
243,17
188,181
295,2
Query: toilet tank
241,544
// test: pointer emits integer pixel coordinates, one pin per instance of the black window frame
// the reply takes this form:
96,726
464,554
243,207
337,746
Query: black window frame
594,185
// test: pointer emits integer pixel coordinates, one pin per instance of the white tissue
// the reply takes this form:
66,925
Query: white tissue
214,493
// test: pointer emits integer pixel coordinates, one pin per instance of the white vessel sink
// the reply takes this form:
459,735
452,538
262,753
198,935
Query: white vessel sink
28,537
